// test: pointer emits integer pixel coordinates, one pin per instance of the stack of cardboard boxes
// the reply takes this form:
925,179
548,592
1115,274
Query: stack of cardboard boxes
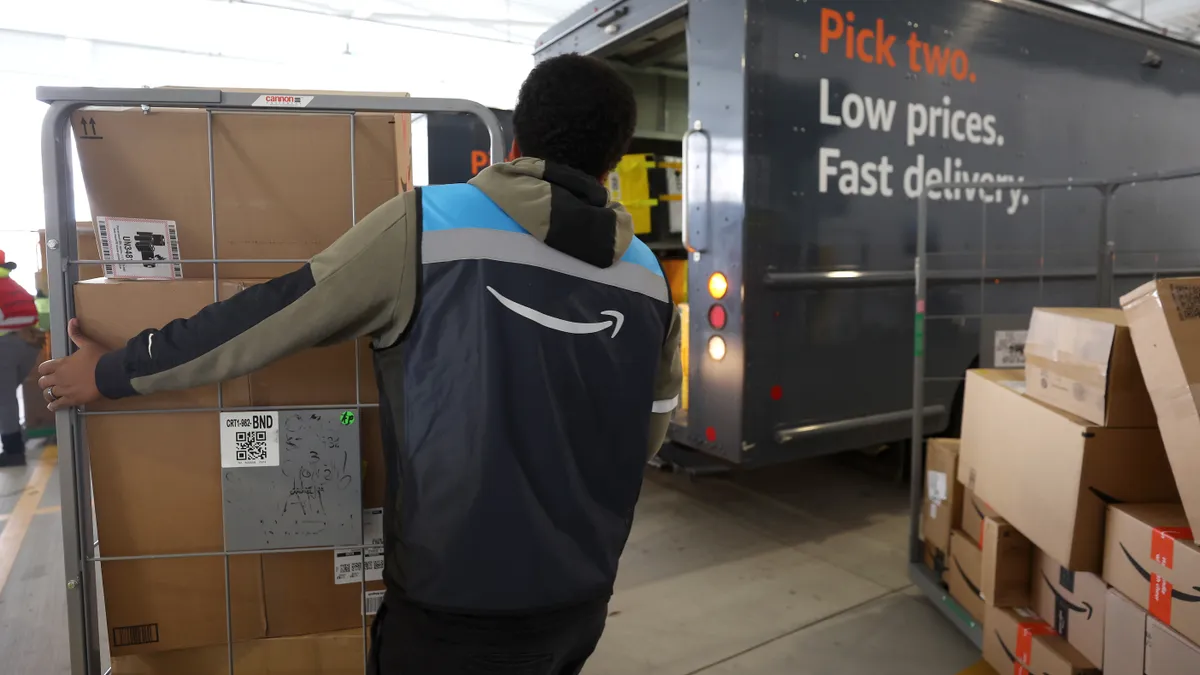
1070,542
282,189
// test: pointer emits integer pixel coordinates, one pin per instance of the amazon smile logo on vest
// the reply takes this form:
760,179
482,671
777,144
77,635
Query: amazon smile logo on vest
562,325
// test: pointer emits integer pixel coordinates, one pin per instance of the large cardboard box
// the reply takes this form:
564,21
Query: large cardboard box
337,653
282,183
157,486
942,512
1016,641
1166,335
1051,473
157,489
1082,360
966,571
1124,636
975,513
1073,602
1007,557
1150,558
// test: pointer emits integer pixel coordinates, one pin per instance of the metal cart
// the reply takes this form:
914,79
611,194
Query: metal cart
1111,269
79,546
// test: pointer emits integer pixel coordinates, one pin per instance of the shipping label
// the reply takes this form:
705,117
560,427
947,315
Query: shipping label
141,248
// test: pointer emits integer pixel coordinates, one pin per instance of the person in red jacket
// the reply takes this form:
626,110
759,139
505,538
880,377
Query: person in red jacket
20,343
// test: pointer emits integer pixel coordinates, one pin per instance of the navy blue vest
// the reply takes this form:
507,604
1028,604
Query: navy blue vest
520,400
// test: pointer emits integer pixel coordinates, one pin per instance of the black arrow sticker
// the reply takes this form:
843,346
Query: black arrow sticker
84,123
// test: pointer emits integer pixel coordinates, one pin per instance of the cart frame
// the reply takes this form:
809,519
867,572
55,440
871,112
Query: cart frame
1105,274
79,545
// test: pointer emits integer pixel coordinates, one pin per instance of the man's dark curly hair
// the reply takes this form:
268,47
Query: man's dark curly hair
575,110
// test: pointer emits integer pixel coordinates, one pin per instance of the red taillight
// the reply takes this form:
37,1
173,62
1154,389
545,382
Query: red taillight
776,393
711,434
717,317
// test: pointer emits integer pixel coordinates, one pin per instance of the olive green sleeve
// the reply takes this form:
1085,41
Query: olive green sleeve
668,384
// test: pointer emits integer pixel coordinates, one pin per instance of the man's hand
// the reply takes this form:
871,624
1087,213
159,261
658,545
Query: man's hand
71,381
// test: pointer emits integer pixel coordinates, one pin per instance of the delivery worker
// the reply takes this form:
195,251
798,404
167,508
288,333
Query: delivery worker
526,350
20,343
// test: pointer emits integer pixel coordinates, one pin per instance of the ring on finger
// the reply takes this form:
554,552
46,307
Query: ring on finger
49,391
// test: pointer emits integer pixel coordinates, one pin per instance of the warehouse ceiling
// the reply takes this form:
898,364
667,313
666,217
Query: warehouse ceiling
520,21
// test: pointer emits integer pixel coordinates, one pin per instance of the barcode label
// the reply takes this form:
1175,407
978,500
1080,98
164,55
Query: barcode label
372,602
348,565
173,240
129,636
105,247
140,248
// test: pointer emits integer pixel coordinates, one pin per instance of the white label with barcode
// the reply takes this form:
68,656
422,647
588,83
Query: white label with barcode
372,602
140,248
348,565
1009,348
373,527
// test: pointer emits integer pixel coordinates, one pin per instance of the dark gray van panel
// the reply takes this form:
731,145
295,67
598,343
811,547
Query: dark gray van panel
821,336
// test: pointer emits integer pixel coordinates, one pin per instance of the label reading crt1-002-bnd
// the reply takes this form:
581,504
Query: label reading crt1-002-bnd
249,439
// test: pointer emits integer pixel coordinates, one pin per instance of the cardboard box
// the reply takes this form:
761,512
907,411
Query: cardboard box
1162,320
974,513
282,182
966,572
179,603
87,250
1007,557
1168,652
1082,360
1051,473
339,653
942,511
1016,641
165,496
1150,557
1073,602
1124,636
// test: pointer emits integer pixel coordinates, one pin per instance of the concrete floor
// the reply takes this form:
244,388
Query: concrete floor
799,570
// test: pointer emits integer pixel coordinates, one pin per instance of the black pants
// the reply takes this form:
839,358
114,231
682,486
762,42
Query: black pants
410,640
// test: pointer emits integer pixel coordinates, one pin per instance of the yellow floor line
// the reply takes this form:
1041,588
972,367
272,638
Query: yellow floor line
22,514
45,510
981,668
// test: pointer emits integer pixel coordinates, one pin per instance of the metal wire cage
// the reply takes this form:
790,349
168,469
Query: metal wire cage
991,287
80,546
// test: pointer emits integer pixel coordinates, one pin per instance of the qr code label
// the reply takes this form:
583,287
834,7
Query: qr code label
249,439
348,565
1187,301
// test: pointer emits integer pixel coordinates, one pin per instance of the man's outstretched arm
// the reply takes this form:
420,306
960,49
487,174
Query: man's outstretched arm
361,285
